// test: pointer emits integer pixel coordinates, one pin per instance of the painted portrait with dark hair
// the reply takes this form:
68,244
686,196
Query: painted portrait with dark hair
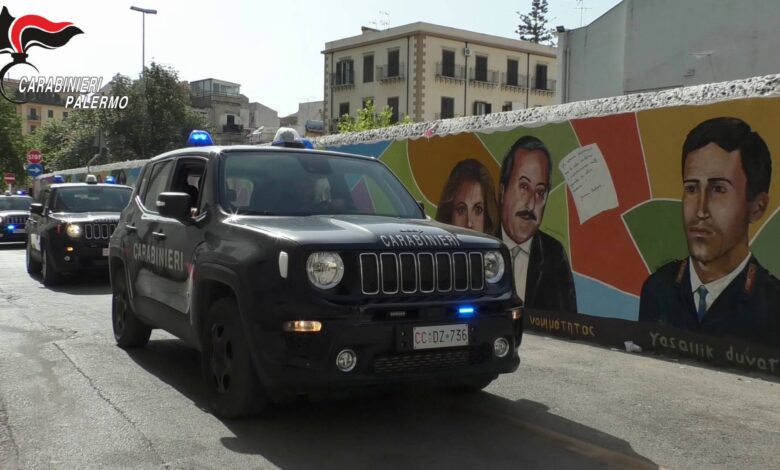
468,198
721,289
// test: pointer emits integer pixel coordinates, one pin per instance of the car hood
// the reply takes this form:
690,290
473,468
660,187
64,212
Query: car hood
74,217
14,214
366,231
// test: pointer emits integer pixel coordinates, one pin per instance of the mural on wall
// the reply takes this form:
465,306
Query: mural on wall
666,216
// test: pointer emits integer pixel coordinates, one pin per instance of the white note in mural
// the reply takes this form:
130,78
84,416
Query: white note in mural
589,181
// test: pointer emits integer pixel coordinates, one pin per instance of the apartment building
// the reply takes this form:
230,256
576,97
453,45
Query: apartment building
223,104
38,108
429,72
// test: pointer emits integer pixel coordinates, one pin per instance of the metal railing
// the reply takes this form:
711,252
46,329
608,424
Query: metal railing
454,72
343,79
517,80
483,76
543,85
388,72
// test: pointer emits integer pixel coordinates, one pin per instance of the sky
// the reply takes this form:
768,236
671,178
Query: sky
272,48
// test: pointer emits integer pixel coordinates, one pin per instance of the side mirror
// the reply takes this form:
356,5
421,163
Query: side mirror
36,208
174,205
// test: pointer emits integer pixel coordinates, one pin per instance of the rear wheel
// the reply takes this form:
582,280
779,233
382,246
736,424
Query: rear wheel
233,388
33,267
49,274
129,331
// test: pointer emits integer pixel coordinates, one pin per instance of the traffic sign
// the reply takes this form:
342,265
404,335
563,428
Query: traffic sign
34,169
34,156
9,177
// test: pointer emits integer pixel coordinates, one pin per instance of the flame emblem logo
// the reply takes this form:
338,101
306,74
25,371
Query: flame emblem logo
18,35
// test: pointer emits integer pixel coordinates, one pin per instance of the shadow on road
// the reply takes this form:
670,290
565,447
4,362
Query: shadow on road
89,283
409,429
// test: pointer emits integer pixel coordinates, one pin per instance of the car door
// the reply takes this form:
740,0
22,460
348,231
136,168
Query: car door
35,224
178,239
147,242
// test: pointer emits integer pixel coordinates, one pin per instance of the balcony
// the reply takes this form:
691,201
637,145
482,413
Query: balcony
488,78
342,80
515,82
543,86
232,129
390,73
33,117
450,72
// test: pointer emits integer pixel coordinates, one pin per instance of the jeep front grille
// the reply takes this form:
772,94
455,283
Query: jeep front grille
98,231
425,272
15,220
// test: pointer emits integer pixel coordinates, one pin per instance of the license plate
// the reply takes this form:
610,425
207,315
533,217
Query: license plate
441,336
105,251
19,230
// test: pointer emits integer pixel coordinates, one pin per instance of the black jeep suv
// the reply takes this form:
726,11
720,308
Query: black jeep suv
14,210
303,272
68,231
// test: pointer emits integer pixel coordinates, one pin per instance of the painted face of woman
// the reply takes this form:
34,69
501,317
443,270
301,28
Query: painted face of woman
468,208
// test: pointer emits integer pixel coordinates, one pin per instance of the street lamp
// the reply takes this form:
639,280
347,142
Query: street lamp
143,11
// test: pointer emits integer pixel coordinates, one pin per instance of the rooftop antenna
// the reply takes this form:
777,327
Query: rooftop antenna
383,22
582,9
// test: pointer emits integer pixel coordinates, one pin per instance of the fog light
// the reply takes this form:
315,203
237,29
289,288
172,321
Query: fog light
67,258
500,347
517,314
346,360
69,249
302,326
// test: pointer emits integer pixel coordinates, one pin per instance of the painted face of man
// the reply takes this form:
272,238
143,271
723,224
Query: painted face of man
525,195
468,208
716,211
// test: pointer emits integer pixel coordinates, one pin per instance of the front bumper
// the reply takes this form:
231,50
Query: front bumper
12,235
71,255
305,363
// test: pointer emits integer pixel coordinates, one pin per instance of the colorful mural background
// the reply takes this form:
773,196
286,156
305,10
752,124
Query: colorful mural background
615,250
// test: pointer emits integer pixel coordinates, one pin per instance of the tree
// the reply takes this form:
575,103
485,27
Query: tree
11,143
533,26
66,144
368,118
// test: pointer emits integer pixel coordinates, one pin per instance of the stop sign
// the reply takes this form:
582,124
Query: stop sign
9,177
34,156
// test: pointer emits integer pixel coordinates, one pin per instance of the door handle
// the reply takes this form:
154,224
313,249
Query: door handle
130,228
158,235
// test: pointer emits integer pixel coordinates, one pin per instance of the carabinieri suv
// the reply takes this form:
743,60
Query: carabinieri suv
68,231
304,272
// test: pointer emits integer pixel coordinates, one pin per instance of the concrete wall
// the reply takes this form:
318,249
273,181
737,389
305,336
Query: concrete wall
646,45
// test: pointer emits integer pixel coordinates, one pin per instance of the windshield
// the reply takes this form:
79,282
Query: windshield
15,203
312,184
91,199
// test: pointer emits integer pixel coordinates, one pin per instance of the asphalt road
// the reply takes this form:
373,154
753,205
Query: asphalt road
69,398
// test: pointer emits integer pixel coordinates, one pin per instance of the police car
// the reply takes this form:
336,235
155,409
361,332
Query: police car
14,210
68,231
304,272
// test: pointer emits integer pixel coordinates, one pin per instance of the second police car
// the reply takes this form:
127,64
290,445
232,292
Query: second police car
304,272
14,210
68,231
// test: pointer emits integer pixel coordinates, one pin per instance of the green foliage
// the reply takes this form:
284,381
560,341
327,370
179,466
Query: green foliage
533,26
67,144
368,118
12,153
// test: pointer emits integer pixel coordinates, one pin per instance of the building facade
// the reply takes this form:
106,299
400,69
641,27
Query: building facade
38,108
430,72
650,45
225,107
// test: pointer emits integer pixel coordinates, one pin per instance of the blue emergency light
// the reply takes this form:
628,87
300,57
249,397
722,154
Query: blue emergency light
11,227
110,180
20,193
466,311
199,138
58,179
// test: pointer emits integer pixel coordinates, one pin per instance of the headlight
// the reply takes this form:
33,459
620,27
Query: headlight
73,231
325,269
494,266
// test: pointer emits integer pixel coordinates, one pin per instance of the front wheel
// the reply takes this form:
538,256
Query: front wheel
33,267
232,385
129,331
49,273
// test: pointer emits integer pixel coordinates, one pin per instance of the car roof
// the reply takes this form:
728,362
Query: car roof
15,195
214,150
91,185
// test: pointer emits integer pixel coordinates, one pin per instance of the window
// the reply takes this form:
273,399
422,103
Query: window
507,106
480,71
541,77
393,64
187,178
392,103
32,128
448,63
157,182
447,107
343,109
345,72
33,113
50,113
368,68
511,72
64,115
481,108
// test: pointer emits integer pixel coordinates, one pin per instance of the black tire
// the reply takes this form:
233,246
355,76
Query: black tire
33,267
232,385
49,274
129,331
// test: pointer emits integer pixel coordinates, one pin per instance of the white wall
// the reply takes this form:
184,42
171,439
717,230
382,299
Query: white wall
672,43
